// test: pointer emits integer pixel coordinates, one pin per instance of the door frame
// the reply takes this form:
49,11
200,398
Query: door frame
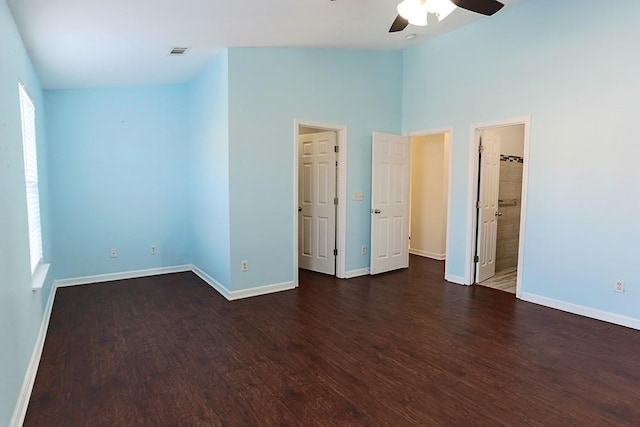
437,131
341,215
474,143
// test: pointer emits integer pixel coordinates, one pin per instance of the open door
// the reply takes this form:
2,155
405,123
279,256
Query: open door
316,196
389,203
488,205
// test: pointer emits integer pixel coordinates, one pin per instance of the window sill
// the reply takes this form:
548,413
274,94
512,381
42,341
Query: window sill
40,276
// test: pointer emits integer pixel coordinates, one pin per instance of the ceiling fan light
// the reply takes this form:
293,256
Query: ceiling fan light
420,21
441,8
414,11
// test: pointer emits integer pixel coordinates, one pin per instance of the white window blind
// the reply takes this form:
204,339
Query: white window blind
28,114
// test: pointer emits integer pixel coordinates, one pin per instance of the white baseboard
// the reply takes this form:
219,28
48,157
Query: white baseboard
230,295
262,290
356,273
458,280
222,290
99,278
20,410
582,310
244,293
426,254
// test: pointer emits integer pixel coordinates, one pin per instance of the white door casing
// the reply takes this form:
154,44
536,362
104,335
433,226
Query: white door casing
488,212
316,193
389,202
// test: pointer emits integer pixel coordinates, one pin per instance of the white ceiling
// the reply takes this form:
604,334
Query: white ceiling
90,43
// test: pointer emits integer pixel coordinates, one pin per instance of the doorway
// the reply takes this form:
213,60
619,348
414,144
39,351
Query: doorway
429,195
499,199
391,188
319,197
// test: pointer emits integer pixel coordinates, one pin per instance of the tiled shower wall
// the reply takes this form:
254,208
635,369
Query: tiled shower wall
510,199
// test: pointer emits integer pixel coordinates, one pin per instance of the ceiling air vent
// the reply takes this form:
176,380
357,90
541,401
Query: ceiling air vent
177,51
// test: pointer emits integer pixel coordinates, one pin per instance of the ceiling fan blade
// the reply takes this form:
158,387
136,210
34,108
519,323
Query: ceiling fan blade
485,7
399,24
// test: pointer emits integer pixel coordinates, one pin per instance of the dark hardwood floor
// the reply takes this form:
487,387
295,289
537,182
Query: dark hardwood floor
396,349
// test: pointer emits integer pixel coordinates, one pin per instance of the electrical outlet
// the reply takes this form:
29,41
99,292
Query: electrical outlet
244,266
113,253
363,251
619,286
154,250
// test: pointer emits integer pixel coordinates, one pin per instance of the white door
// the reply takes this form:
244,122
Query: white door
317,211
389,203
488,205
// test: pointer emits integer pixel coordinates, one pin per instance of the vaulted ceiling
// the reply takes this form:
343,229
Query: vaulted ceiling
80,43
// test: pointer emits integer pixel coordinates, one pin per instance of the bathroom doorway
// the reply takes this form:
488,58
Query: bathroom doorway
499,206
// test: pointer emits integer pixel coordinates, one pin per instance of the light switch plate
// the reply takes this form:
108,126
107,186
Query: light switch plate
358,195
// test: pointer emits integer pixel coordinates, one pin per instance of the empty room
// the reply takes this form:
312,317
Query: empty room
220,213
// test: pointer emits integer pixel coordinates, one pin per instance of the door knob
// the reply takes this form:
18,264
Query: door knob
498,213
299,209
377,211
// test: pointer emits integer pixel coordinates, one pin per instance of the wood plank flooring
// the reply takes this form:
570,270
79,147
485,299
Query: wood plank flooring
402,348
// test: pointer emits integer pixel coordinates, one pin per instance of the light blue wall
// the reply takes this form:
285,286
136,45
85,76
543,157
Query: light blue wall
20,308
209,170
268,89
119,173
575,71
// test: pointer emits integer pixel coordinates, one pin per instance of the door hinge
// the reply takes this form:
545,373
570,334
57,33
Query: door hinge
481,148
476,258
478,204
335,252
336,149
335,200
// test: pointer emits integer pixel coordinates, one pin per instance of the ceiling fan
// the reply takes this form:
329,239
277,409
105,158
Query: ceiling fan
415,11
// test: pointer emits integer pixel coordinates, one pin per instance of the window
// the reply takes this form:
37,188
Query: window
28,114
